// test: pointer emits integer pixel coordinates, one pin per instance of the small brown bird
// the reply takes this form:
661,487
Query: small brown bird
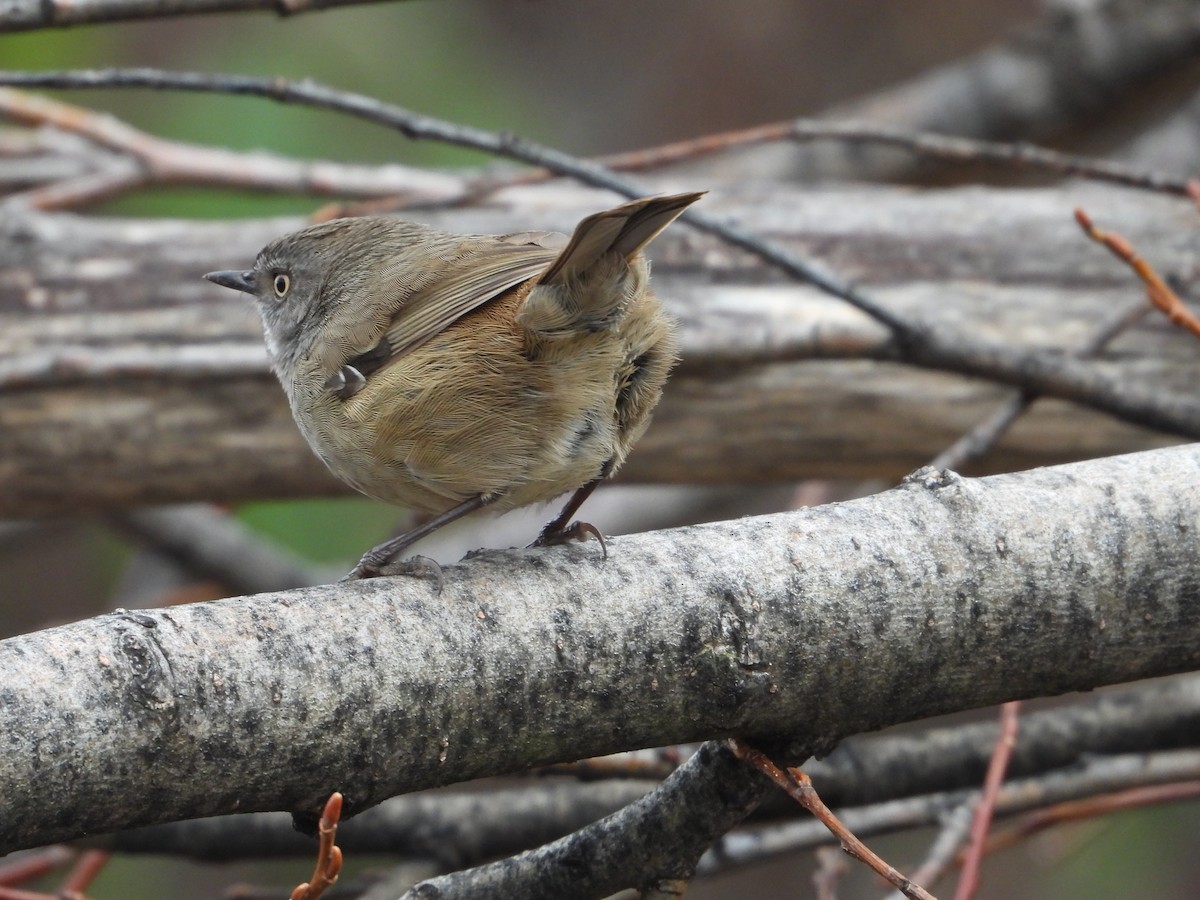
451,372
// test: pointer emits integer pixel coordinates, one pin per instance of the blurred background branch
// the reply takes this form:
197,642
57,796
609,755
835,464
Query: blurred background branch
25,15
801,386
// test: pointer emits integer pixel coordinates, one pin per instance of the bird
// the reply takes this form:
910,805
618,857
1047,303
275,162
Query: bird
448,373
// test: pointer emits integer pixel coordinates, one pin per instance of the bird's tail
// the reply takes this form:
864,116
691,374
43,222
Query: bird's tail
624,229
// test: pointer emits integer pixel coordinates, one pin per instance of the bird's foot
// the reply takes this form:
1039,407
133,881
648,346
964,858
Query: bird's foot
372,566
576,531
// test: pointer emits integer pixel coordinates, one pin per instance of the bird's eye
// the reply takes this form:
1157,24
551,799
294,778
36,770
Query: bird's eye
282,284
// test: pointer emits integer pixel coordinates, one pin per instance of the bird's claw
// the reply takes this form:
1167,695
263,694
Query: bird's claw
576,531
414,566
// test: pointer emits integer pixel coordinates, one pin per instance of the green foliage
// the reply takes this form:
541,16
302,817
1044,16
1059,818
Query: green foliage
1129,854
332,530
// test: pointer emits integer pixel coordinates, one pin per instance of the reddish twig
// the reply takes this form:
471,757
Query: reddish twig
35,864
145,159
949,148
946,147
1006,740
1193,191
1157,290
1092,807
800,788
84,872
329,855
10,893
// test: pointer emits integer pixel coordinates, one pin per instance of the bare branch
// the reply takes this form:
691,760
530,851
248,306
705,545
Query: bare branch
212,544
1093,776
656,839
26,15
451,829
460,829
983,437
136,159
723,629
923,144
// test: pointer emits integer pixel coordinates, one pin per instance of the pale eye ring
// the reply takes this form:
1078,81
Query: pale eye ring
282,283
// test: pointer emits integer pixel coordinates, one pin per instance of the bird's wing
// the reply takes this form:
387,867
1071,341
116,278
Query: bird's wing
492,266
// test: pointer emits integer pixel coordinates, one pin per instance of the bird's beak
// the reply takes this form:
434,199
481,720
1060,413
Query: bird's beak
239,281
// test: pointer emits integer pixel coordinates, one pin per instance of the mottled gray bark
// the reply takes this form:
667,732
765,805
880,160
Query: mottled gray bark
458,829
942,594
451,829
126,379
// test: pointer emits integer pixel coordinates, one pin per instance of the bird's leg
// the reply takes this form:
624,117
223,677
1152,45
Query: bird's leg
374,560
557,531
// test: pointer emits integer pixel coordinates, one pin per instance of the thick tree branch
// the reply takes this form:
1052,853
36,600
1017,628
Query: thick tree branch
660,837
459,829
453,829
828,621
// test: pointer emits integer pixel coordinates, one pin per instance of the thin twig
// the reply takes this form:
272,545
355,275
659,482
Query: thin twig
922,143
1158,291
798,786
984,436
950,148
968,881
329,855
28,15
1095,776
35,864
84,872
943,852
1091,807
147,159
